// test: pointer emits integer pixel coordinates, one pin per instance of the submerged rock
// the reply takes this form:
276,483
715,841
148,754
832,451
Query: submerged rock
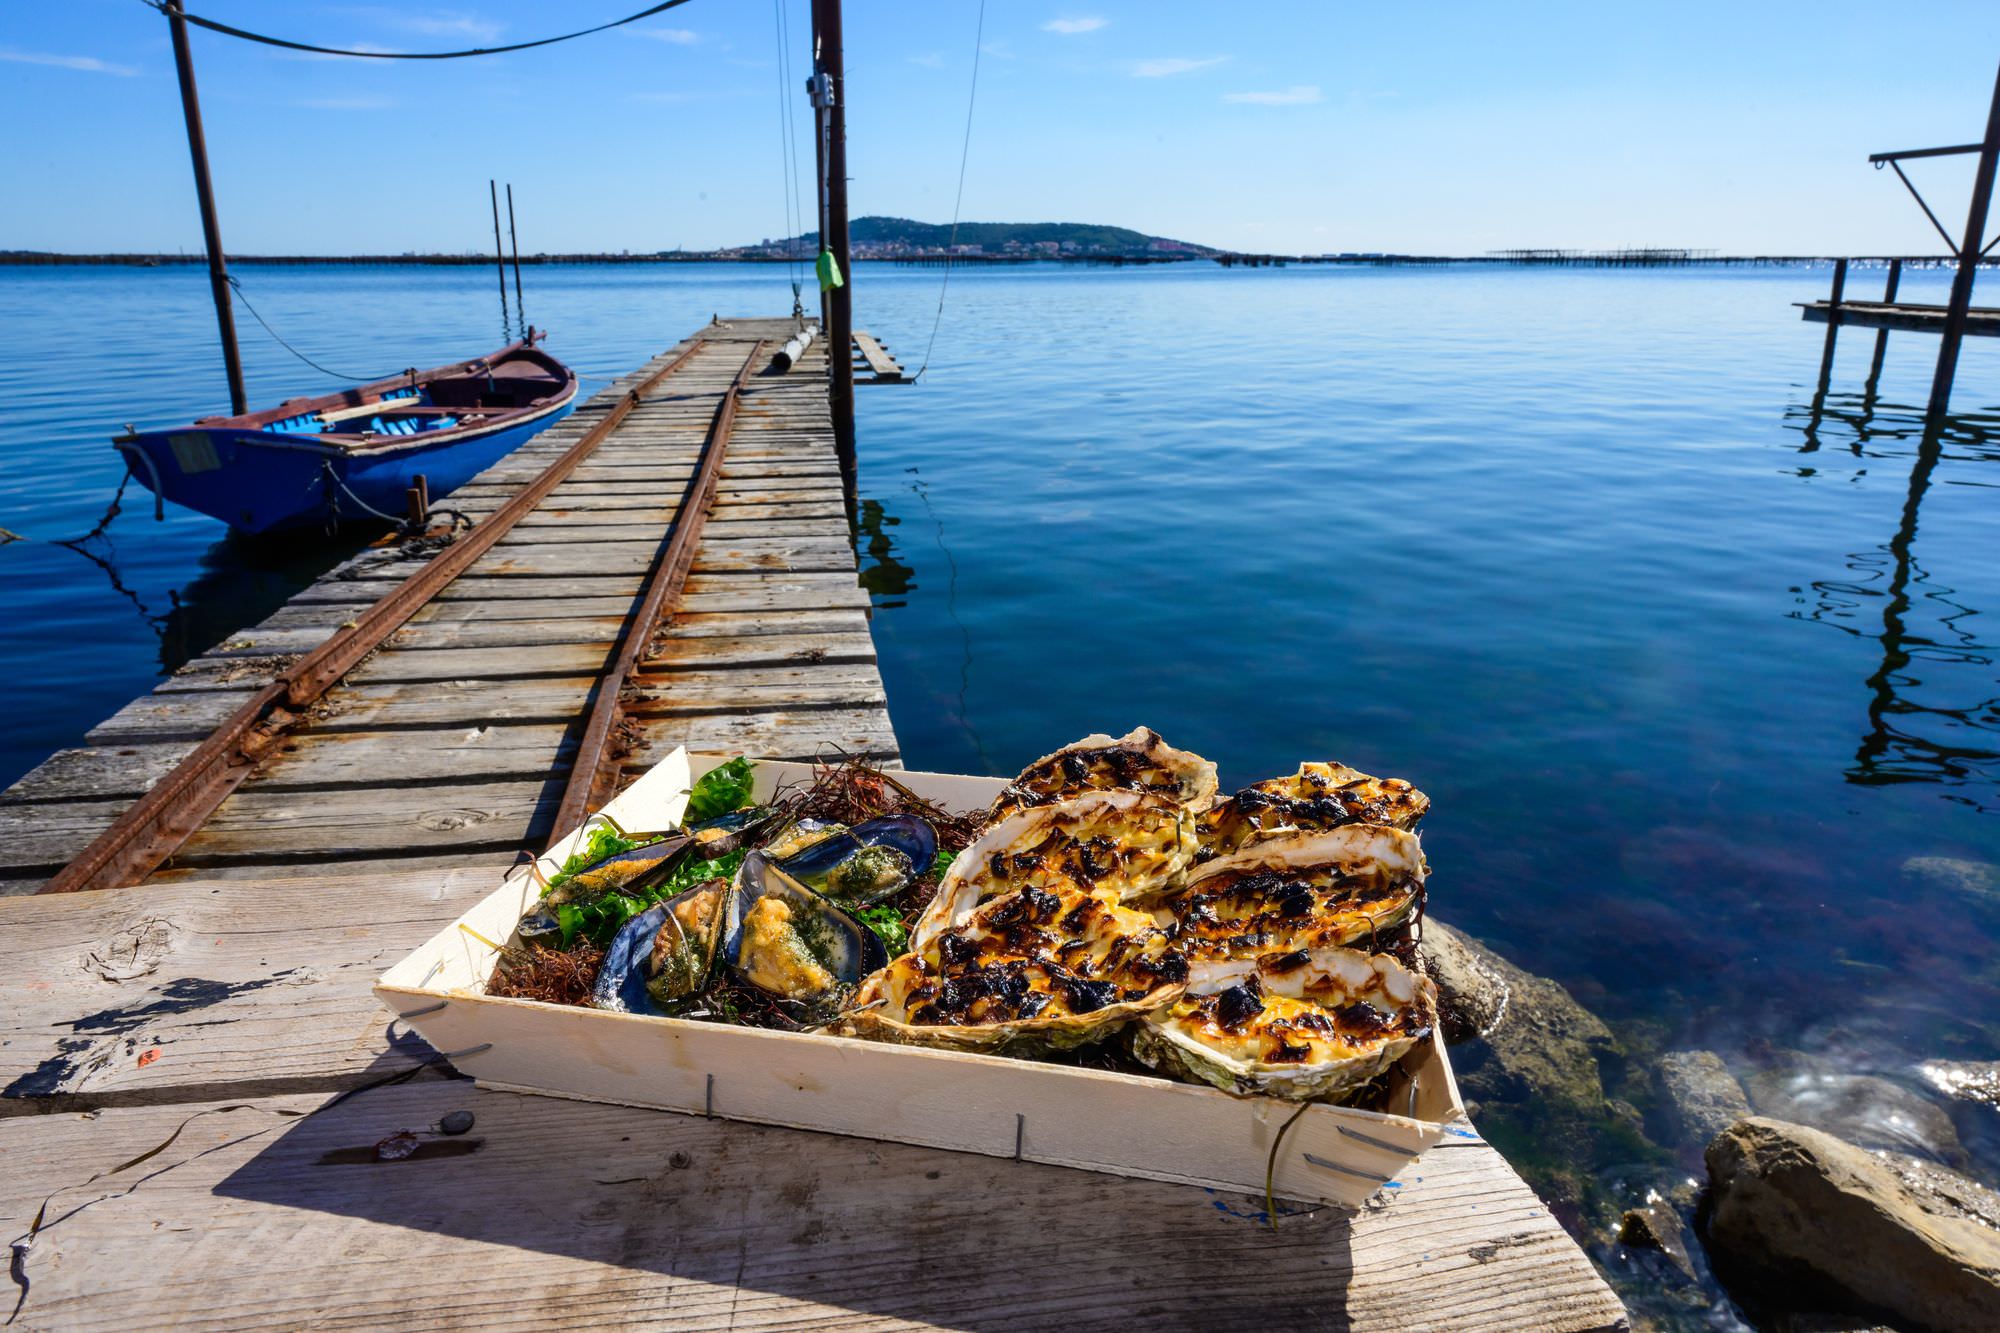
1864,1110
1658,1226
1975,881
1966,1080
1805,1219
1703,1098
1472,993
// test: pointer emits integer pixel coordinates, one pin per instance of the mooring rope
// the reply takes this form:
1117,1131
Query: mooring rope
289,45
958,200
237,287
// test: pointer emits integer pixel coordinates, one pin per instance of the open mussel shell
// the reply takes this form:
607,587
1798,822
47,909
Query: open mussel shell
628,871
664,954
621,979
732,832
868,862
789,942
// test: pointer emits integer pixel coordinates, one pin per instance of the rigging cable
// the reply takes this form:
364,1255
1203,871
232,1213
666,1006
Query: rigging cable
237,287
289,45
788,149
958,200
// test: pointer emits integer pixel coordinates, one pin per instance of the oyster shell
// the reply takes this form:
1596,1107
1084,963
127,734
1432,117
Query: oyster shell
1298,1026
787,941
1317,797
1034,970
1137,761
1299,891
1119,845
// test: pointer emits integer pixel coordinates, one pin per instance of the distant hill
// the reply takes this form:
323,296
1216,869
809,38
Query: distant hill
873,233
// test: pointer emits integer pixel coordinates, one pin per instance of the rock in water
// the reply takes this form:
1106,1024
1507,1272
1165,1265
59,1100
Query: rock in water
1967,1080
1472,994
1703,1095
1864,1110
1977,882
1657,1226
1807,1218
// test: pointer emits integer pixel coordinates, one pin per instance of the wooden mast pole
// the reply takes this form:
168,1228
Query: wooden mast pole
1968,263
204,190
829,69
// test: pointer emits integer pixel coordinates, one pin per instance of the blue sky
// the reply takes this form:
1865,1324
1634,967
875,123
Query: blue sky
1443,127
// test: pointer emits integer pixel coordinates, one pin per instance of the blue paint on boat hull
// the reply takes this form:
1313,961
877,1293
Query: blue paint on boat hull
259,481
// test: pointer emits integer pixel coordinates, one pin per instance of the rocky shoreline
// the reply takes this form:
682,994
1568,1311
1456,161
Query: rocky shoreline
1809,1195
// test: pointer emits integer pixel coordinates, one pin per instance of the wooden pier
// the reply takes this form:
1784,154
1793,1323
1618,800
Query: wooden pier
197,1086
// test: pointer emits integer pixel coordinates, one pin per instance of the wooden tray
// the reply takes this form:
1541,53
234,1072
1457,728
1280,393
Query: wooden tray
1096,1120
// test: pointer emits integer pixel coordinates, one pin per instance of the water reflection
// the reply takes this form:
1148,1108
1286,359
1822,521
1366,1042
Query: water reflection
1921,623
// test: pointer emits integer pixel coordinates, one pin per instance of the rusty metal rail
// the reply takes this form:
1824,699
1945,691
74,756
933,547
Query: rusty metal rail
158,823
591,779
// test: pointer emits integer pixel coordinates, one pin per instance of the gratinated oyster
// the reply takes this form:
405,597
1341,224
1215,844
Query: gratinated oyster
1038,969
1137,761
1299,1026
1317,797
1119,845
1299,891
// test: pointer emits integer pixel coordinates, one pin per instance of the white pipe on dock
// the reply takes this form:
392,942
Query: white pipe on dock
788,355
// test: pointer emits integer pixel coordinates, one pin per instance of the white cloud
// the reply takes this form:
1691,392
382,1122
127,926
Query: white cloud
1160,69
929,60
1071,27
676,36
87,64
454,23
1299,94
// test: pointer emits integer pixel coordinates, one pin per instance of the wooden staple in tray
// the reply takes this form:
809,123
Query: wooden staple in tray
1096,1120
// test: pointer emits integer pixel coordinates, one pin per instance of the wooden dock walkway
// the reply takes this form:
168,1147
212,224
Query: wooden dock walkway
1980,321
195,1078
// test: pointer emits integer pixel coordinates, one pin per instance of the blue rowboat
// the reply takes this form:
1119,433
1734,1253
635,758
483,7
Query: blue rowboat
313,462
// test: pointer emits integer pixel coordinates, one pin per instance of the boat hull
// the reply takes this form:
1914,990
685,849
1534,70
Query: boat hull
261,481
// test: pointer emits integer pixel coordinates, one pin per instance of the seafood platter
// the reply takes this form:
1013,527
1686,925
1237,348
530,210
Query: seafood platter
1103,963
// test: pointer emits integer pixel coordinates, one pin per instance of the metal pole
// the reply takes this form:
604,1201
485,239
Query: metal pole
499,255
1832,322
204,191
514,244
829,59
1968,263
1882,334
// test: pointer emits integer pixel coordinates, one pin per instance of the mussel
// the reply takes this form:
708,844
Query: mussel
664,954
628,871
790,942
866,863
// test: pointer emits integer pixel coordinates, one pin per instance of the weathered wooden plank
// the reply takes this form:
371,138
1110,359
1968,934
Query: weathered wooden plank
398,760
45,837
480,632
789,734
172,715
92,772
683,1222
683,653
790,620
486,664
303,826
174,993
440,704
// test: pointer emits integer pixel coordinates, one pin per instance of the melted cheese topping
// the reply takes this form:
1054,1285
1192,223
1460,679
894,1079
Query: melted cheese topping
1245,913
1317,797
1148,764
1118,855
775,959
1308,1017
1035,954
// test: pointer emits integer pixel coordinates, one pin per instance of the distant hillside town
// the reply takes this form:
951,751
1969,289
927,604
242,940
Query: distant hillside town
902,238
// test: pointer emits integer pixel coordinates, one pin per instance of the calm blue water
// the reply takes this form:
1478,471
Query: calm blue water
1567,548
